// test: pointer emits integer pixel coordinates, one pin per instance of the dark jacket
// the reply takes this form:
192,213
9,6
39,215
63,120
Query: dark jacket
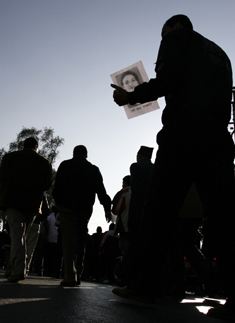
76,185
195,76
24,176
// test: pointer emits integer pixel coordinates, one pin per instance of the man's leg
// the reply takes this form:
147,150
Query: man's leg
31,242
16,220
216,186
69,237
81,244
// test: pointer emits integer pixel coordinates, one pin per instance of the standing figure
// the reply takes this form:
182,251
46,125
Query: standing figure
140,177
24,176
195,76
76,185
121,202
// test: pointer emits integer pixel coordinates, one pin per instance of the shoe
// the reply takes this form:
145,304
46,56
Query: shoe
16,278
130,294
69,284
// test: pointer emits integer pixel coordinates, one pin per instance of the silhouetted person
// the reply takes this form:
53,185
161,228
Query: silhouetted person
24,176
96,261
76,185
140,177
52,262
109,249
121,202
195,76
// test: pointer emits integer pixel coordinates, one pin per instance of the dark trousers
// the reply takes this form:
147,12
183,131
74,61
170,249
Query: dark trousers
74,230
210,167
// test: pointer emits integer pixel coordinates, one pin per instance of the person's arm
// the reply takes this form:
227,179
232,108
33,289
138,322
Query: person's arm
144,92
100,190
165,80
59,185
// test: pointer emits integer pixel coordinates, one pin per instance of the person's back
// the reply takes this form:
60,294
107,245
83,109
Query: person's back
77,183
26,176
196,80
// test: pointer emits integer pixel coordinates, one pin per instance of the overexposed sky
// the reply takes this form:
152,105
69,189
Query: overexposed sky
56,57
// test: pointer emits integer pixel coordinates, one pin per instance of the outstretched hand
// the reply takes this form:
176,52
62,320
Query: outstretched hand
119,95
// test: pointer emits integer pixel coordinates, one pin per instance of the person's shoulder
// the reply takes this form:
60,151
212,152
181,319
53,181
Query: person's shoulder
42,158
66,163
93,167
210,47
11,154
134,165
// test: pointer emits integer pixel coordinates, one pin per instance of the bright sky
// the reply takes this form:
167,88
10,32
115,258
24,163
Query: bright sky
56,57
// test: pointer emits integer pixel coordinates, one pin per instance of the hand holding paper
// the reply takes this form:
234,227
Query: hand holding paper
119,95
125,81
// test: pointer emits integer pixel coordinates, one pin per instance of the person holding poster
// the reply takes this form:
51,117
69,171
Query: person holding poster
195,76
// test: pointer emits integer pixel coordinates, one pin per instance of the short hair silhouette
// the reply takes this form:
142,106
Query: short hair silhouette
30,143
80,151
184,20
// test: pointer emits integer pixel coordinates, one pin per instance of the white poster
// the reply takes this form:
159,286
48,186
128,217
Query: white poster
128,78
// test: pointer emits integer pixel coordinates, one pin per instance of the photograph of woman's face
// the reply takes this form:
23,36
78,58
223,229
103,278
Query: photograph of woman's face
129,82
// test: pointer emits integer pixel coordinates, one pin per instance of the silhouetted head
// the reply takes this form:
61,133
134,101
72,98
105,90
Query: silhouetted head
144,153
99,230
31,143
126,181
176,22
80,151
129,81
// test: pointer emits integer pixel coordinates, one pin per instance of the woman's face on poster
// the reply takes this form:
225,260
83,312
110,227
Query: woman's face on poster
129,82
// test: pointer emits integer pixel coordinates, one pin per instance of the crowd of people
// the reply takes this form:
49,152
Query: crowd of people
101,256
160,205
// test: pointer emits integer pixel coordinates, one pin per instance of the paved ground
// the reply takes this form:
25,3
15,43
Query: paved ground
42,299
